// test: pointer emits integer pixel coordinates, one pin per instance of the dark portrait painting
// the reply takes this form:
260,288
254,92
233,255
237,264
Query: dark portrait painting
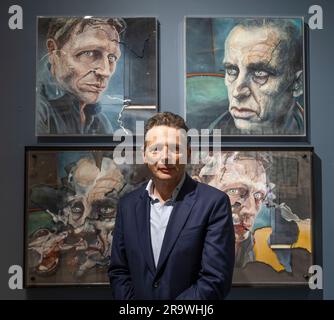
95,75
71,201
271,199
245,76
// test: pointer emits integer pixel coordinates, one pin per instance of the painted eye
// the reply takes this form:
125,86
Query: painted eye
88,53
258,196
76,210
232,72
238,192
261,74
112,58
105,210
233,192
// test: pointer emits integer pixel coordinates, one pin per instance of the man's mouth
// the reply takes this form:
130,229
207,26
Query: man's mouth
96,87
242,113
165,169
240,228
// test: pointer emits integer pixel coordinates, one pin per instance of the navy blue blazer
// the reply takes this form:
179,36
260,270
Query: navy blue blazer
197,254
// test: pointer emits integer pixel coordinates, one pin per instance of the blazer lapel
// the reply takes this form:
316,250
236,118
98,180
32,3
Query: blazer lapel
144,230
184,203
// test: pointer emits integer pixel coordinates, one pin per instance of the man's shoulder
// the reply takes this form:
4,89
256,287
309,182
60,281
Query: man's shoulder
134,194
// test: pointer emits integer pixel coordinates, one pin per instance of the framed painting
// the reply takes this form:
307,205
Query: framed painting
245,76
71,200
95,75
270,190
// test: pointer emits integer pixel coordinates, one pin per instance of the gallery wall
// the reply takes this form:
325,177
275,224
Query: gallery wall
17,87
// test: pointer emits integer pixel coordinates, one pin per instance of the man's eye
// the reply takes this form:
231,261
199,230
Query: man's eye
112,58
88,54
76,210
258,196
261,74
154,149
105,210
233,192
232,72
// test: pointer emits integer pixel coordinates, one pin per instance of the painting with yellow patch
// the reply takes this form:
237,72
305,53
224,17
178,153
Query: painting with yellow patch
270,190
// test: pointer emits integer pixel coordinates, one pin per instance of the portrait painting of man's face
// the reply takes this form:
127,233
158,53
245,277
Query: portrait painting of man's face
95,75
72,198
270,195
245,76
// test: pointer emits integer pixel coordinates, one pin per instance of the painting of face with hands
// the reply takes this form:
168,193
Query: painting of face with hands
253,75
71,209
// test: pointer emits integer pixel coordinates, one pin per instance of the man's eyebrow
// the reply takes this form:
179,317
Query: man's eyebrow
262,66
229,65
92,47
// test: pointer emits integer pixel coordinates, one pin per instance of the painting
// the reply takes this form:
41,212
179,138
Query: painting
95,75
71,201
245,76
271,199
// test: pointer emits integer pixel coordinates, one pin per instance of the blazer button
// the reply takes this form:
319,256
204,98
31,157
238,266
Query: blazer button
156,284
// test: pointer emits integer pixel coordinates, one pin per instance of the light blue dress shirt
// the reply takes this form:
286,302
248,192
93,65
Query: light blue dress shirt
159,217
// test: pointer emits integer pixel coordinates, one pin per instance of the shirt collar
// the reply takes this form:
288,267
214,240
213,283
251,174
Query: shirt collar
58,98
176,191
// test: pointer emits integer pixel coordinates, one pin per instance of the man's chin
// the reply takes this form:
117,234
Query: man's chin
247,125
90,97
165,175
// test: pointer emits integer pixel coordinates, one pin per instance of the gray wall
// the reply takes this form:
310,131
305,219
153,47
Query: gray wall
17,85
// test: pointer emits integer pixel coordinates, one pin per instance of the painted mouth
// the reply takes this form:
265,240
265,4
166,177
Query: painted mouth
97,88
242,113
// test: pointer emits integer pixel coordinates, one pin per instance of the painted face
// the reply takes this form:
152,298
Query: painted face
244,181
96,191
259,77
166,152
84,65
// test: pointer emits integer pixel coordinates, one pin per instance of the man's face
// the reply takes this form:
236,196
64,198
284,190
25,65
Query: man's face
84,65
244,181
166,152
259,77
96,191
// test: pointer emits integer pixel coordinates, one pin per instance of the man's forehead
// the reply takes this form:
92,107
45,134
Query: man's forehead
100,30
245,170
164,134
253,45
90,38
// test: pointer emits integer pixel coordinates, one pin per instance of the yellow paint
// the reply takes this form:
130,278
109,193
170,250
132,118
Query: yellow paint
263,253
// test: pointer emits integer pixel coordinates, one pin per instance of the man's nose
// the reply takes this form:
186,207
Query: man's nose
166,156
241,89
249,207
103,67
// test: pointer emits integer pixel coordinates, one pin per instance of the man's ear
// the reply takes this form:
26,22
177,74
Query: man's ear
298,84
52,49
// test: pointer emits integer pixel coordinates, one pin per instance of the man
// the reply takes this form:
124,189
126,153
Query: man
263,64
82,56
174,236
265,232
